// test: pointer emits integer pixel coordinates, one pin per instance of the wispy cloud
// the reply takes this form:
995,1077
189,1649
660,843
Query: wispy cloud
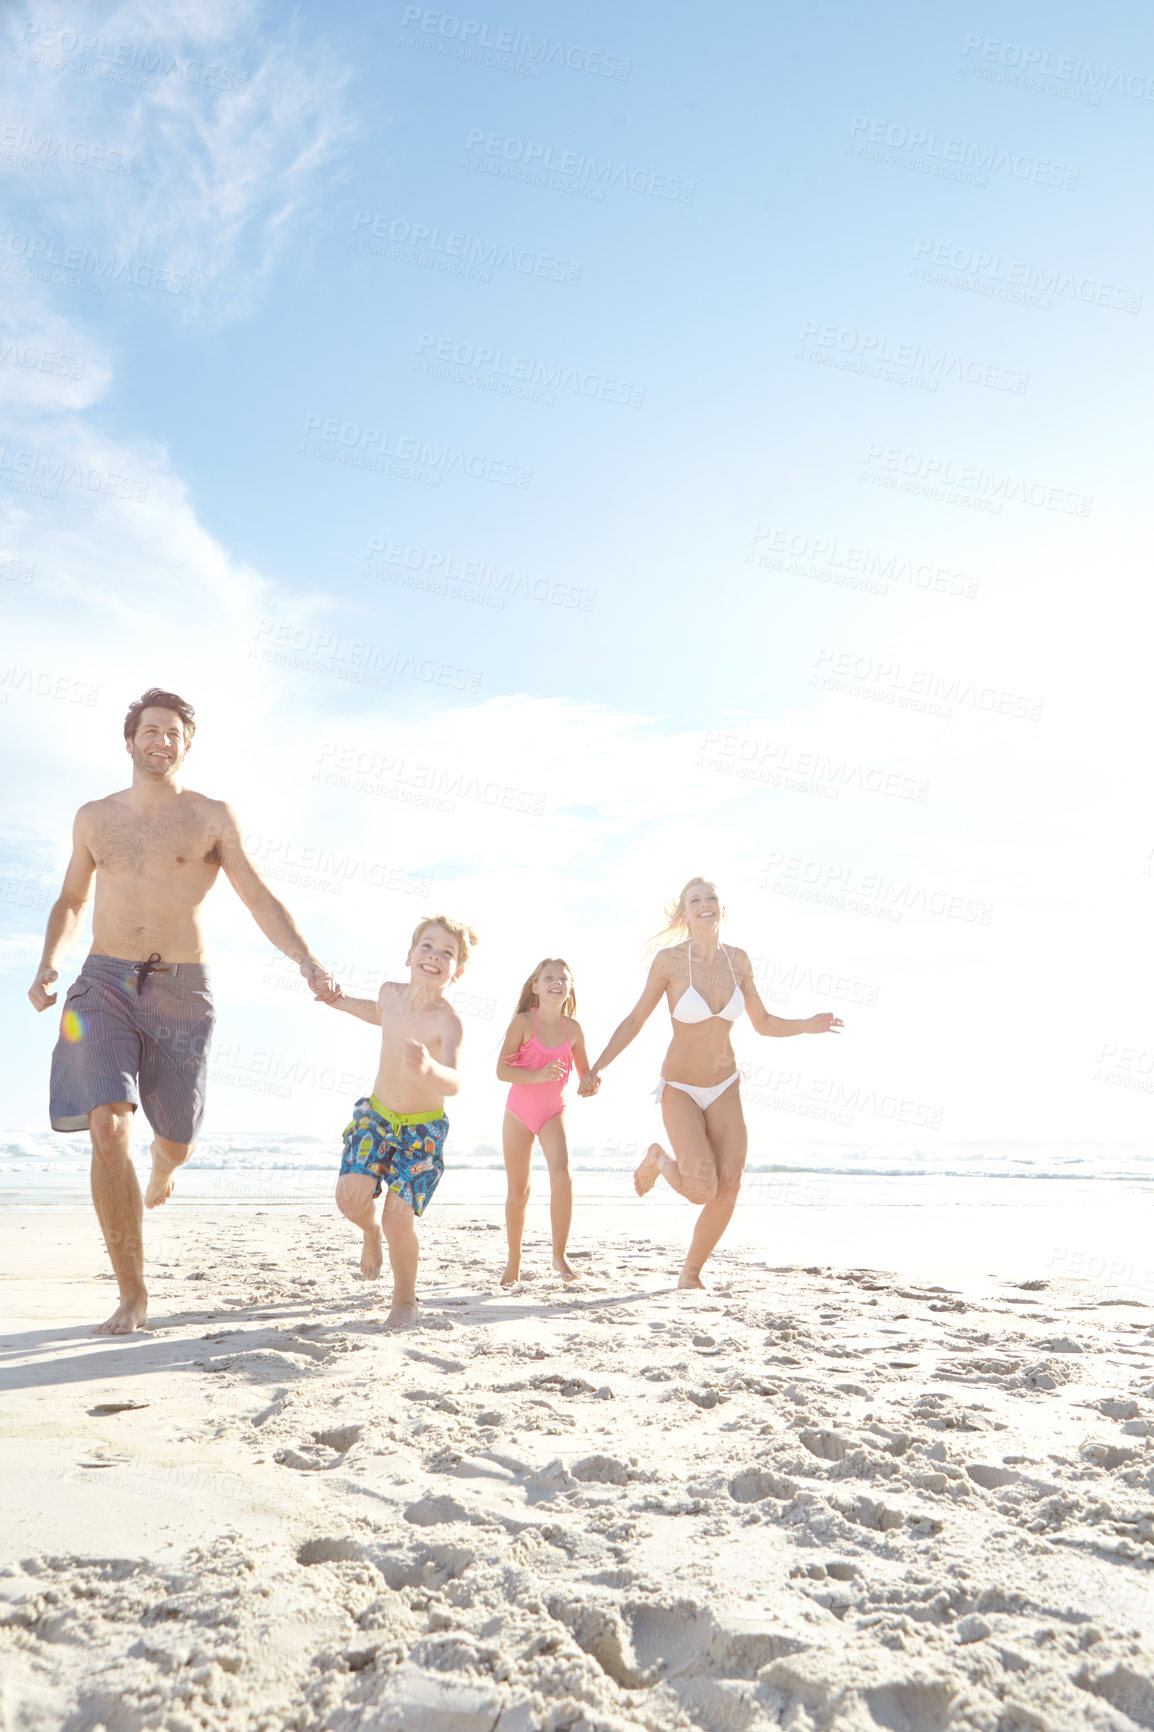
229,146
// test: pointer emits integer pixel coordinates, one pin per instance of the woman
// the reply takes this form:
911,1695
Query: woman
707,985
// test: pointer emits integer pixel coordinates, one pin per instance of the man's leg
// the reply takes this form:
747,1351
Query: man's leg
356,1202
116,1196
397,1223
166,1158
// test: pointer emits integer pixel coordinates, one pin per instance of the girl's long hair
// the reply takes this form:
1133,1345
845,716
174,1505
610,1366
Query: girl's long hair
676,928
529,999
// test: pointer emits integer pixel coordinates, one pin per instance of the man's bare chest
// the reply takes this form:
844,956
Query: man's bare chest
126,843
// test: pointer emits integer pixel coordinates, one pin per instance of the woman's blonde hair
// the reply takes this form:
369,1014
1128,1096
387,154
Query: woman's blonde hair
529,998
676,927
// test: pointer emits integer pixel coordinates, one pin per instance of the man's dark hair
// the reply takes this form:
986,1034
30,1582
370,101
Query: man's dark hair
155,699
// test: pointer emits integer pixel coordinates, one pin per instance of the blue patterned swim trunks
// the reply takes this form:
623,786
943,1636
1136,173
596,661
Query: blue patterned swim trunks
400,1150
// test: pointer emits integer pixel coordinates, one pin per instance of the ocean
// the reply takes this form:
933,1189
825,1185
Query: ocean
1073,1214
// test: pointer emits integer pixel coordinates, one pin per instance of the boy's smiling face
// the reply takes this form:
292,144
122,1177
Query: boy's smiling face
432,961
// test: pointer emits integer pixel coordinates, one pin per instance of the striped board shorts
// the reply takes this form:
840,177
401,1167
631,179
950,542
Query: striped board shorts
137,1033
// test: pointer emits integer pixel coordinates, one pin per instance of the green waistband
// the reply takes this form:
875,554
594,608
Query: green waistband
395,1119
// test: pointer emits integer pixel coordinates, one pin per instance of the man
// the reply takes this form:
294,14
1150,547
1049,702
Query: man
137,1020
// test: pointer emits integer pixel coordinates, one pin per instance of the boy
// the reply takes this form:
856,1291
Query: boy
397,1134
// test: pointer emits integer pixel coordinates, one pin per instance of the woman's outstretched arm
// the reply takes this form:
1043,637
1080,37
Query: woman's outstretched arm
628,1030
764,1021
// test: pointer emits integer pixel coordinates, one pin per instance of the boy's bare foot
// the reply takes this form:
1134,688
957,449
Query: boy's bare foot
648,1173
404,1313
372,1252
565,1269
130,1315
512,1273
160,1183
689,1278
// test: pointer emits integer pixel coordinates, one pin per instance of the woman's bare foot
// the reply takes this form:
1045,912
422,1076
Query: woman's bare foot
512,1274
404,1313
130,1315
564,1268
648,1173
372,1252
689,1278
160,1182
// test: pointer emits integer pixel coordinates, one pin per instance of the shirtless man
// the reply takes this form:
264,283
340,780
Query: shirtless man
137,1020
396,1137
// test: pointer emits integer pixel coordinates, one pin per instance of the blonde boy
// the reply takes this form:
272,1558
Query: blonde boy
397,1134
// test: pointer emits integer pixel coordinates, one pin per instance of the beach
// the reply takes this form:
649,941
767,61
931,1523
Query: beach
822,1494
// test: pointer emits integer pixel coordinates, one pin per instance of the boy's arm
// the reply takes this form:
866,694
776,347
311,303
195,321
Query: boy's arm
367,1009
442,1072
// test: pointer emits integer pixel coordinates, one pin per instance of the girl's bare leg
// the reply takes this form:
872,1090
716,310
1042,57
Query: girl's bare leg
692,1168
725,1124
556,1150
518,1147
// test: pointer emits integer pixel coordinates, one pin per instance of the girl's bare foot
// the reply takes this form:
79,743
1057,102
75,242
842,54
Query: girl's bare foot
372,1253
404,1313
512,1274
648,1173
564,1268
691,1279
130,1315
160,1182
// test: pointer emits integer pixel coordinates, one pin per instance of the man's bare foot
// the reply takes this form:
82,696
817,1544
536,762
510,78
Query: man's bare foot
688,1279
565,1269
404,1313
648,1173
512,1274
372,1252
130,1315
161,1180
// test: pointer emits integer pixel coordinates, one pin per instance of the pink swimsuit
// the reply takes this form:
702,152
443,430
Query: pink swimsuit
536,1103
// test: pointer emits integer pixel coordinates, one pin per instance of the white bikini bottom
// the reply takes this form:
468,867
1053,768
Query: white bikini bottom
703,1097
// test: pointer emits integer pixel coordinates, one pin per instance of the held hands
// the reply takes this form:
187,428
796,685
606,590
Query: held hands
589,1083
324,988
38,992
825,1022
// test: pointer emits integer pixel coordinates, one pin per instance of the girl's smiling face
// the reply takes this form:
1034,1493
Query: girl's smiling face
553,984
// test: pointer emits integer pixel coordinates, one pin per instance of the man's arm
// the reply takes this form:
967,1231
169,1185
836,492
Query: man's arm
66,918
267,910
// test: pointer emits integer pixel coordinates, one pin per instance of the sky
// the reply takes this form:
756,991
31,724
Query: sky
563,451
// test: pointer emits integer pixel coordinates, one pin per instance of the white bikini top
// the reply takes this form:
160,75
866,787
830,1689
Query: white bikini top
691,1007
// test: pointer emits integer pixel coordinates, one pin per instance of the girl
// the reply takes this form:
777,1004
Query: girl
541,1047
697,1088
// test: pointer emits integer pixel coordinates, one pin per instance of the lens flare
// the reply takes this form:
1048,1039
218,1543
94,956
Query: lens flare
72,1026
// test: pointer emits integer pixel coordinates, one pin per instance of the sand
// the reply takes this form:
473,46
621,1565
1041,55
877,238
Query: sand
822,1497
